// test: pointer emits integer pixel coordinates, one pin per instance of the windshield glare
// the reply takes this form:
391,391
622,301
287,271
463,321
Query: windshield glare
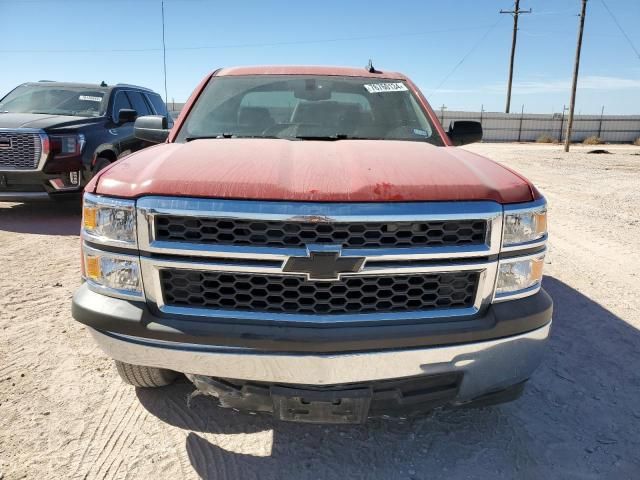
308,108
55,100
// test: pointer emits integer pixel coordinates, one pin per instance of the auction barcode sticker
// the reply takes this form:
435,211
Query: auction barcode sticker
386,87
90,98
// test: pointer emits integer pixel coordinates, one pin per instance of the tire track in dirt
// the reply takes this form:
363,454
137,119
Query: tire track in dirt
129,430
98,430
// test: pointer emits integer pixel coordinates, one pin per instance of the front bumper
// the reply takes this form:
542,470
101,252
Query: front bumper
485,366
18,186
137,319
493,351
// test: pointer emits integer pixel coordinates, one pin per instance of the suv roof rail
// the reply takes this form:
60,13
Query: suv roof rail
45,81
133,86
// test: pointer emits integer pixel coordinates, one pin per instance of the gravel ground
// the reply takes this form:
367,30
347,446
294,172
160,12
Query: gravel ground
65,414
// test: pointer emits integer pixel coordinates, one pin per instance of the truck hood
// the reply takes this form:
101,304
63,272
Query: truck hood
43,121
326,171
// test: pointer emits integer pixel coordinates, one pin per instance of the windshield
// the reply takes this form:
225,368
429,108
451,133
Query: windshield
299,107
55,100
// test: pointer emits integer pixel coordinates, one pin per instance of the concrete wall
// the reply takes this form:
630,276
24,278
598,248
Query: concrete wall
513,127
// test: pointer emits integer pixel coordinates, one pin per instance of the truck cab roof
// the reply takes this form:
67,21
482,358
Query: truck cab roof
308,70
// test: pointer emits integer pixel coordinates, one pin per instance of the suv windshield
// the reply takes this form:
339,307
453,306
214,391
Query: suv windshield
308,108
55,100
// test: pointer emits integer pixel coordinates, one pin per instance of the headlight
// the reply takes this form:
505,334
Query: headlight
66,145
113,274
524,226
518,277
109,221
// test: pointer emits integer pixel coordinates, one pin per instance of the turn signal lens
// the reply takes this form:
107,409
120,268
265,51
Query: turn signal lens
92,267
89,217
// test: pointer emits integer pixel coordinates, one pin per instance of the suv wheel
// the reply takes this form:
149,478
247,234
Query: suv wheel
101,163
146,377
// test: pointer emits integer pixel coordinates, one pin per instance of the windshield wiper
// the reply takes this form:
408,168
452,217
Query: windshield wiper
231,135
337,136
204,137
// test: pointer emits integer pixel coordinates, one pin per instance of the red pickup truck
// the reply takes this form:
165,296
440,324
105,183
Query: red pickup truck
309,242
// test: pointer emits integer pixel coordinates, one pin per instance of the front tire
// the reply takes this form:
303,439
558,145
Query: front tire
145,377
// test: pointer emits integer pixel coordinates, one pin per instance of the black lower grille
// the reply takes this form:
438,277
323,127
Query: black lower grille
229,231
292,294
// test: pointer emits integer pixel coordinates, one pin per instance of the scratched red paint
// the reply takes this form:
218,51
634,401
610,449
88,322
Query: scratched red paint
341,171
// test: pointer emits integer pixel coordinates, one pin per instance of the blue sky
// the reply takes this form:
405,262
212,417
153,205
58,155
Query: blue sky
120,41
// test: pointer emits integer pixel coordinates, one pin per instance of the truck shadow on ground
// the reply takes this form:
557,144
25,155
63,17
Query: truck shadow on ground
578,418
43,218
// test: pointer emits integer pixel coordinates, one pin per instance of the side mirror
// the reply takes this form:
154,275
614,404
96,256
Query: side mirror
126,115
151,128
463,132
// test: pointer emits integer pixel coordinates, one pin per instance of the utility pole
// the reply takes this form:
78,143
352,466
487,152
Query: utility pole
515,12
600,124
574,84
164,55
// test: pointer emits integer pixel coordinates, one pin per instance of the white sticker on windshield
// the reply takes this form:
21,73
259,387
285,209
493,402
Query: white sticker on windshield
386,87
90,98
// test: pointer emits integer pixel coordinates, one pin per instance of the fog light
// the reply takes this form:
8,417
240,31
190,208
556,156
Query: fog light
74,178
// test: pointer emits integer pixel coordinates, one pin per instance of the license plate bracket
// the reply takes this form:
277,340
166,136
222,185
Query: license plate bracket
330,406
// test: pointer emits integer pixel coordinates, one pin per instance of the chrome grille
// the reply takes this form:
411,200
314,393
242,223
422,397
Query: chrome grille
420,260
230,231
20,151
292,294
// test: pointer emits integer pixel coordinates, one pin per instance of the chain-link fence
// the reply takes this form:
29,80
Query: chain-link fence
529,127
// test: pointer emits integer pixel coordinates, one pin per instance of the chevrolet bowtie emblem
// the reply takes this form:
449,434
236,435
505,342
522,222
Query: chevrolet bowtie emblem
323,262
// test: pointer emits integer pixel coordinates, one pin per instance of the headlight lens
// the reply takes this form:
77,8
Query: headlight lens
113,274
524,226
109,221
66,145
519,276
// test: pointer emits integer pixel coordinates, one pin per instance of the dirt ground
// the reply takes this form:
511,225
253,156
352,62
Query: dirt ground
64,413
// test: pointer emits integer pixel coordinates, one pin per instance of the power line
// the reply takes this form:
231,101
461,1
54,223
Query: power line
246,45
620,28
516,13
464,58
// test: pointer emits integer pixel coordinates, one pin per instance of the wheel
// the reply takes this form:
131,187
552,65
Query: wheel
146,377
101,162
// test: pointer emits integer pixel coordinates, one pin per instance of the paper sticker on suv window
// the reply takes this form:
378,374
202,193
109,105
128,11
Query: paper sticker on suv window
90,98
386,87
